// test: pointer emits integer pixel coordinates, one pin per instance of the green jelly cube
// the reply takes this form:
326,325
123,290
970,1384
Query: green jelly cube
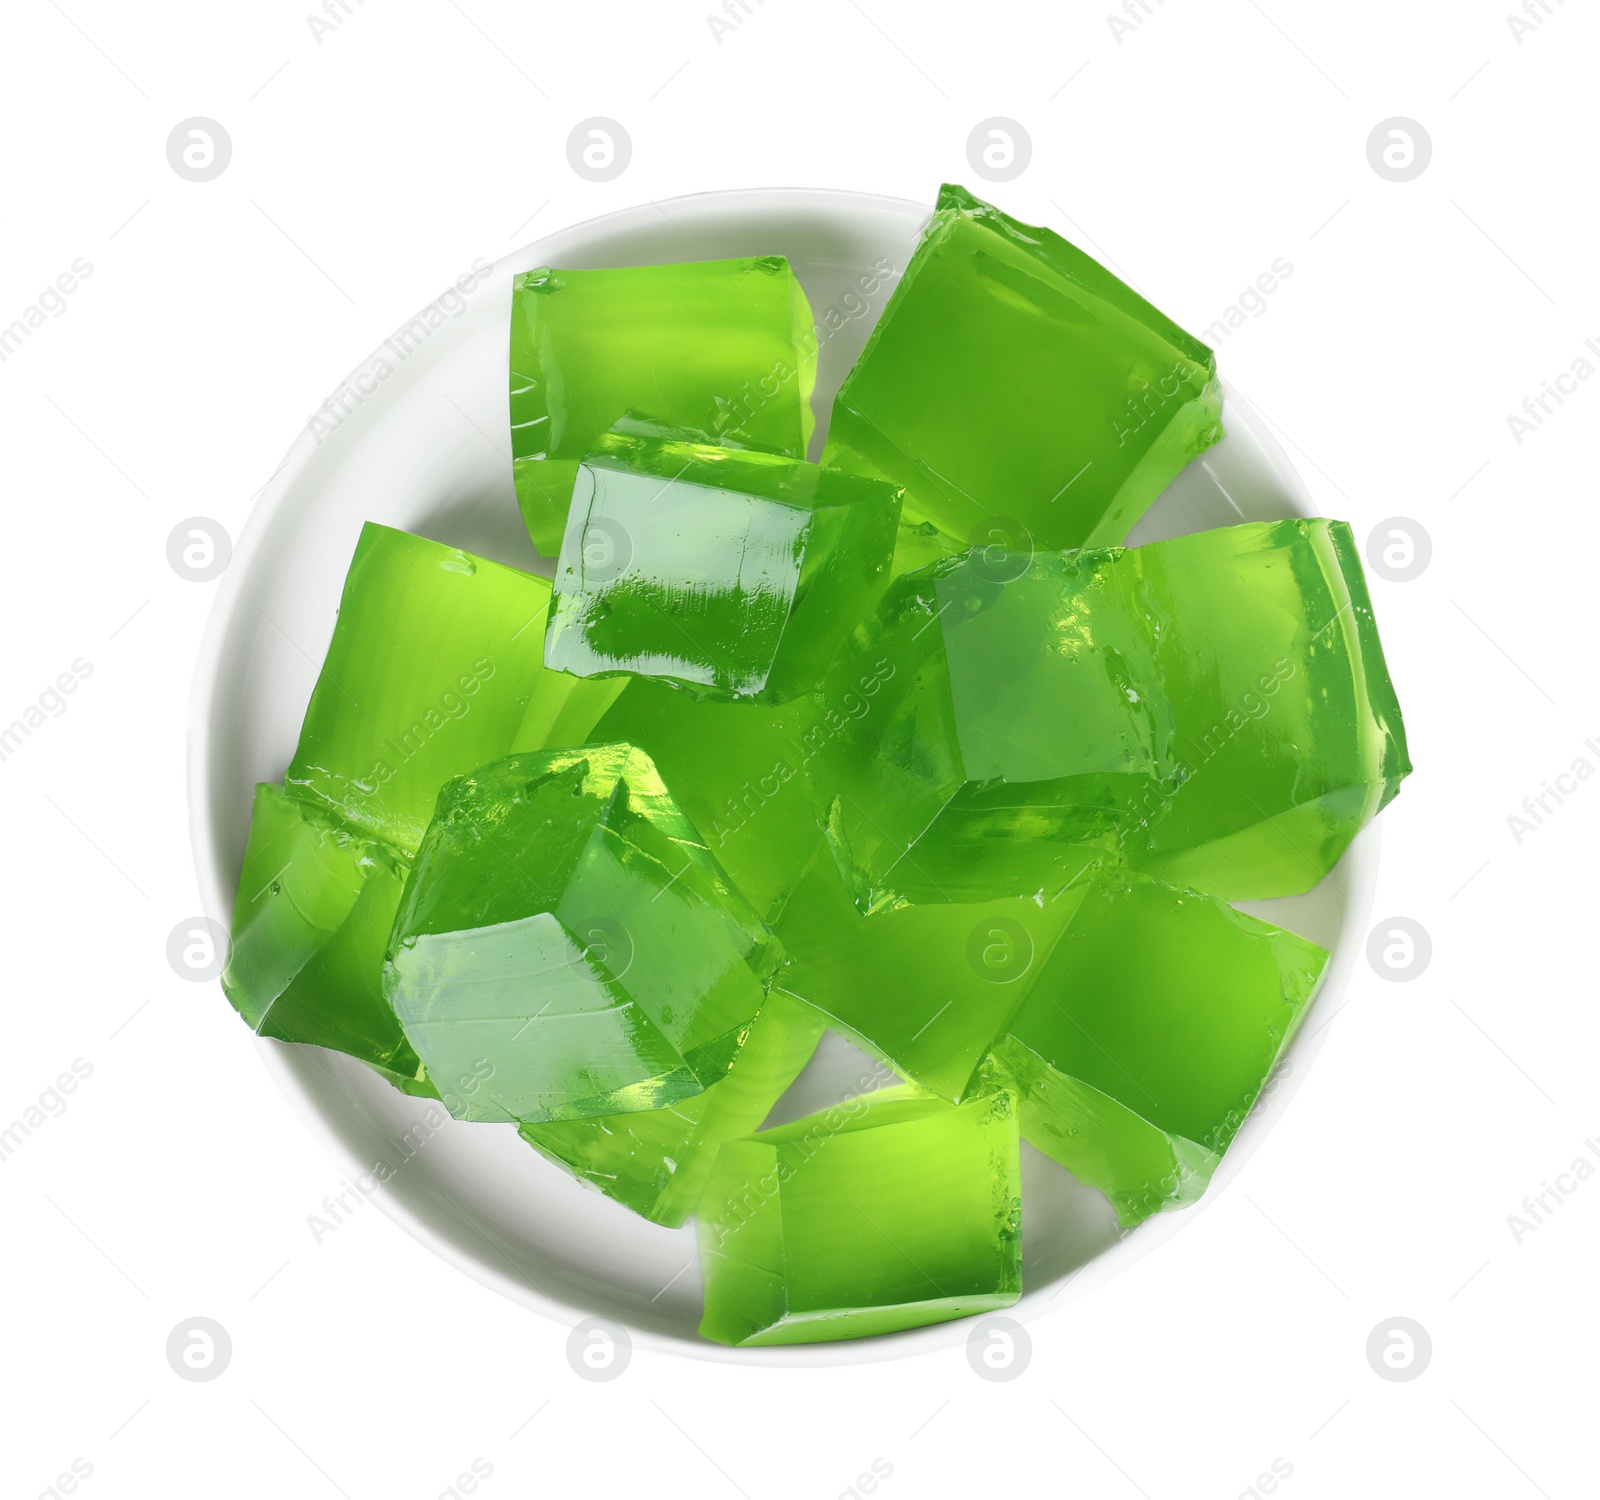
1012,378
1011,735
1217,706
740,773
891,1211
1289,737
926,988
724,347
730,574
1153,1027
433,668
567,947
309,929
657,1161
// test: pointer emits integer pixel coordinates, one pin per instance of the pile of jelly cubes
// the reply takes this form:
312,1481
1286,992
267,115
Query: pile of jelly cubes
902,744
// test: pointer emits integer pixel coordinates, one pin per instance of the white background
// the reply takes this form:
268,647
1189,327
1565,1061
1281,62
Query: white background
369,169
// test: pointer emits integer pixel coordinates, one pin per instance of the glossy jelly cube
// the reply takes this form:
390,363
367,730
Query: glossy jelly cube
740,773
725,347
1289,737
433,669
1012,379
926,988
1154,1025
656,1161
1011,733
1216,707
566,946
309,930
730,574
891,1211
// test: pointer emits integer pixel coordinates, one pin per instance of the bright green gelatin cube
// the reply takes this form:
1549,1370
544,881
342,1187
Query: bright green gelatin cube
926,988
1216,706
891,1211
724,347
433,670
1013,731
1154,1025
740,771
1013,379
657,1161
567,947
309,928
730,574
1288,737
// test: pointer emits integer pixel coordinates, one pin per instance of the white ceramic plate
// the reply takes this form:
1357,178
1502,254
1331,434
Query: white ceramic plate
419,440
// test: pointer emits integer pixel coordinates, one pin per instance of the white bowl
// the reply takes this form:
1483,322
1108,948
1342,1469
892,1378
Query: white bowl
419,440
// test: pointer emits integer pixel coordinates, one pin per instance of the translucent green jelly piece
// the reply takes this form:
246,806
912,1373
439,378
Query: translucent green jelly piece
433,669
891,1211
1152,1029
309,928
927,987
657,1161
1289,737
740,773
1013,379
567,947
725,347
1217,706
730,574
1012,729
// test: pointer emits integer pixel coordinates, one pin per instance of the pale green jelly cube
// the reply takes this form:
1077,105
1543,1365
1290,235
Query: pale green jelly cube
1289,734
738,770
1152,1029
1216,707
924,987
724,347
656,1162
891,1211
1008,738
310,924
433,668
729,574
1012,379
566,946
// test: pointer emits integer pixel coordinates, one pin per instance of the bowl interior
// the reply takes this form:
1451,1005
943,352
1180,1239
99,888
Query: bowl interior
416,437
